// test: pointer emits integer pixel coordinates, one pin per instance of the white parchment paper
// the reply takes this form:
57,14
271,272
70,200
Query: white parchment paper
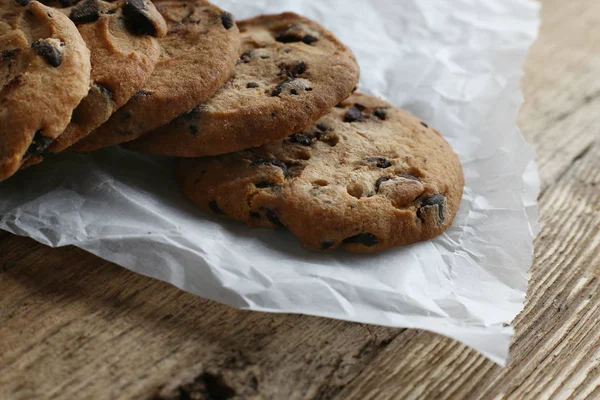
455,64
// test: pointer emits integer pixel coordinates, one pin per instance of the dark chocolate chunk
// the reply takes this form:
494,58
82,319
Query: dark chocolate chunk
193,130
354,115
301,139
39,144
137,19
279,88
9,54
366,239
143,93
326,245
322,127
215,208
23,2
106,92
272,161
246,57
274,219
49,52
381,162
85,11
435,200
309,39
252,85
380,113
424,124
263,184
294,34
292,71
227,20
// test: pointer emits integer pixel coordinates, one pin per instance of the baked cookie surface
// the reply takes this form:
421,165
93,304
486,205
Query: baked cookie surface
124,51
291,72
198,54
44,74
366,177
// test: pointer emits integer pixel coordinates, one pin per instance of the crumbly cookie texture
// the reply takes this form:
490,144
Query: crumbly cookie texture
124,51
291,72
198,55
44,74
366,177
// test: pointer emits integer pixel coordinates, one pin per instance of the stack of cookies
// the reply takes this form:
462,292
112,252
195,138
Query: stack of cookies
262,113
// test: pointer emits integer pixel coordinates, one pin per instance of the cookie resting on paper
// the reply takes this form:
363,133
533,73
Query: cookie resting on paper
366,177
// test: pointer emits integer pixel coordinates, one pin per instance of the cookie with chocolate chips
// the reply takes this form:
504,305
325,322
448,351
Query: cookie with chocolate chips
44,73
366,177
197,55
291,72
121,36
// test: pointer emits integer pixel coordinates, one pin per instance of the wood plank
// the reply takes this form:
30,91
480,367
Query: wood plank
562,92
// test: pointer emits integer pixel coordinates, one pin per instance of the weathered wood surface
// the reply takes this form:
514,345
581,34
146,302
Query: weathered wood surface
74,326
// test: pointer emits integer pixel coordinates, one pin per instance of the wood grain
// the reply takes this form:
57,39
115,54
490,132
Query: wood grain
74,326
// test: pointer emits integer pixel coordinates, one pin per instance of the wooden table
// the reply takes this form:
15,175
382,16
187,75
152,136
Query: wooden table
74,326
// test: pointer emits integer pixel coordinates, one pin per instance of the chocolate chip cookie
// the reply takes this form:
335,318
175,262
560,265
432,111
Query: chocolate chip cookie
291,72
121,38
197,55
44,73
366,177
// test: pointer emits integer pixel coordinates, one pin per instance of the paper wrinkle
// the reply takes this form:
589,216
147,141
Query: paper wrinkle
457,66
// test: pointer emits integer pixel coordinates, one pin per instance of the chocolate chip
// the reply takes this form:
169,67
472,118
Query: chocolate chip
252,85
279,88
301,139
293,34
292,71
310,39
354,115
424,124
9,54
137,18
380,113
193,130
381,162
326,245
23,2
143,93
215,208
435,200
49,52
366,239
273,218
39,144
263,184
106,92
227,20
246,57
322,127
85,11
272,161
